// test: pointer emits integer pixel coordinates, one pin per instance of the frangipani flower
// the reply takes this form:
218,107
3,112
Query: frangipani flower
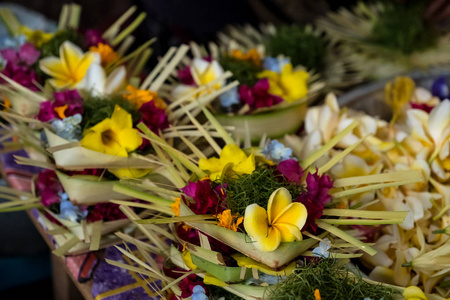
68,70
282,222
203,72
290,84
113,136
242,164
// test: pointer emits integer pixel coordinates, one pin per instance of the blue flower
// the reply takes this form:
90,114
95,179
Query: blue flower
276,151
68,128
229,98
12,42
322,250
70,212
275,64
198,293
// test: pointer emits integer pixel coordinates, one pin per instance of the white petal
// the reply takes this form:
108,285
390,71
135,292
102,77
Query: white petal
116,80
439,119
94,80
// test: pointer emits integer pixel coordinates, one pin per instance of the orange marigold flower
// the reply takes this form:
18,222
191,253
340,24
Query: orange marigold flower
229,221
252,55
139,97
176,206
317,295
60,111
106,53
6,103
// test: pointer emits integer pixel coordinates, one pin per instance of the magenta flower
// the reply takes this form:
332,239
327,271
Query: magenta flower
185,76
291,169
153,117
20,74
206,199
105,212
48,187
315,197
25,56
93,37
423,106
258,96
71,98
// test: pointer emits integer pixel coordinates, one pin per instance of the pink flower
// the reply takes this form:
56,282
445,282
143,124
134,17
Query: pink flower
48,187
105,212
185,76
423,106
206,199
20,74
93,37
153,117
291,169
71,98
258,95
315,197
25,56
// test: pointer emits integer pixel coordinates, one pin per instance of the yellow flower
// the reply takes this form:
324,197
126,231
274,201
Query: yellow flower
242,164
69,69
107,53
289,84
282,222
37,37
228,221
414,293
138,97
252,56
113,136
176,206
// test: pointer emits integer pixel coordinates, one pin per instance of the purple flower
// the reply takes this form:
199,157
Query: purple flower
258,95
440,88
185,76
71,98
20,74
25,56
48,187
93,37
291,169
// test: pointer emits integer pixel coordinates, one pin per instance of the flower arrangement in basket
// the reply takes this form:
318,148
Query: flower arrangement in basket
246,219
385,39
269,88
413,253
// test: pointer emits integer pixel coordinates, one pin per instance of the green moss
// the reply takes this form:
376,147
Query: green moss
302,47
402,28
243,190
332,280
96,109
243,71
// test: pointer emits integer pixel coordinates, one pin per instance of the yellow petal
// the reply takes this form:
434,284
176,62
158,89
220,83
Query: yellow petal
271,75
186,256
294,214
255,221
84,64
129,139
70,55
288,232
52,66
213,164
278,201
93,141
414,293
211,280
129,173
59,83
247,166
287,69
270,242
245,261
232,153
121,119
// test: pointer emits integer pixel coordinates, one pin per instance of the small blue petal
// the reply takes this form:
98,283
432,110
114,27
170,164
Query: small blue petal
274,64
199,296
230,97
198,289
276,151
